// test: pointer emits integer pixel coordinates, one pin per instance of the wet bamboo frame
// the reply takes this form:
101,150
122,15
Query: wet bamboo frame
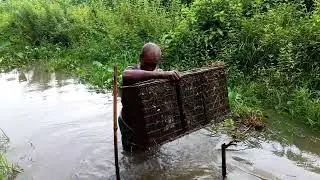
115,115
160,111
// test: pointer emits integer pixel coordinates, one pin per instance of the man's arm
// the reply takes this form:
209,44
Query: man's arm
134,76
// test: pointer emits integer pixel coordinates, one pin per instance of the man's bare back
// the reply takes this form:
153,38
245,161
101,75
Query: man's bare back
146,70
149,60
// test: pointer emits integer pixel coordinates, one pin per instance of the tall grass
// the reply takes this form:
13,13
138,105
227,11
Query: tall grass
252,98
269,48
79,35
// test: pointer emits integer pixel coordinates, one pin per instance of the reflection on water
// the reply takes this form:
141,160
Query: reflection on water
290,131
61,130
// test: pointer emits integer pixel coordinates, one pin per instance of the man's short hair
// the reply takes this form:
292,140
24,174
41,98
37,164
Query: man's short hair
151,47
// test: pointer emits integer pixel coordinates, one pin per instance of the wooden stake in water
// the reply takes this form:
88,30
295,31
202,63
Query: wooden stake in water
223,154
115,115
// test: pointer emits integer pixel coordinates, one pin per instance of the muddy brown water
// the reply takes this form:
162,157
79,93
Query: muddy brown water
59,129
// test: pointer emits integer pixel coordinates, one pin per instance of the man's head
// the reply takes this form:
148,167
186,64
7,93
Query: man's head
150,57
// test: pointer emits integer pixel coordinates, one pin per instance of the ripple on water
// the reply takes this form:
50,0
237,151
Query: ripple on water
61,130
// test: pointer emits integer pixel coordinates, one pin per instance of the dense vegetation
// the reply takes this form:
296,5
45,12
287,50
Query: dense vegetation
270,47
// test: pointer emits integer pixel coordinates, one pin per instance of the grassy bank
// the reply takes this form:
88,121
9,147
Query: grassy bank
270,48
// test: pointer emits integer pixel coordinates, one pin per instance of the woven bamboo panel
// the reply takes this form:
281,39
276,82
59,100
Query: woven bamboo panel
160,111
192,100
216,94
204,96
152,111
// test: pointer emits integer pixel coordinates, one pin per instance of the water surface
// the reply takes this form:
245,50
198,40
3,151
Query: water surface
59,129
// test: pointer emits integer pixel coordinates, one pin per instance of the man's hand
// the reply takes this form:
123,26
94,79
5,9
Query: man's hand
172,75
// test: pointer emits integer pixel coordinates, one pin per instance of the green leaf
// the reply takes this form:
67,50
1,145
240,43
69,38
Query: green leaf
97,63
220,31
109,69
4,44
20,55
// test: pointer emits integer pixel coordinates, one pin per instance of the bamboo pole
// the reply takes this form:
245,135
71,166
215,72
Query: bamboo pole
223,155
115,115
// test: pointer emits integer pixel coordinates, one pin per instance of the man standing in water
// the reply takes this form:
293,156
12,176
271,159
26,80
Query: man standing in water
147,69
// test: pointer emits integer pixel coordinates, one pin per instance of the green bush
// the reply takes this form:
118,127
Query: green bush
277,43
270,49
90,30
199,37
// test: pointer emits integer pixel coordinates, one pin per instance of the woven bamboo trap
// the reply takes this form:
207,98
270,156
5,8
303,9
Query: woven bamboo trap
159,111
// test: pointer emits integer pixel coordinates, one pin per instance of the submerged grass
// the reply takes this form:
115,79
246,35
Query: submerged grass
246,117
297,103
250,103
8,171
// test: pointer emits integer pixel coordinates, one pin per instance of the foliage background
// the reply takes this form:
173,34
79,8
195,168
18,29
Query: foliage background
270,47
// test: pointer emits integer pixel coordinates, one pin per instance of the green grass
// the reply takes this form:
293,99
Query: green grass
7,170
253,98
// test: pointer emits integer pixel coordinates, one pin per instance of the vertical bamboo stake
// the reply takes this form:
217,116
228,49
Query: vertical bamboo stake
115,114
223,154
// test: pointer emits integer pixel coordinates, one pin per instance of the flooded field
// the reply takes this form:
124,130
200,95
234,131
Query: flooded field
60,129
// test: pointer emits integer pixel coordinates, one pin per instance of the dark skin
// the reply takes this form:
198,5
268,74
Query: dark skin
148,63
